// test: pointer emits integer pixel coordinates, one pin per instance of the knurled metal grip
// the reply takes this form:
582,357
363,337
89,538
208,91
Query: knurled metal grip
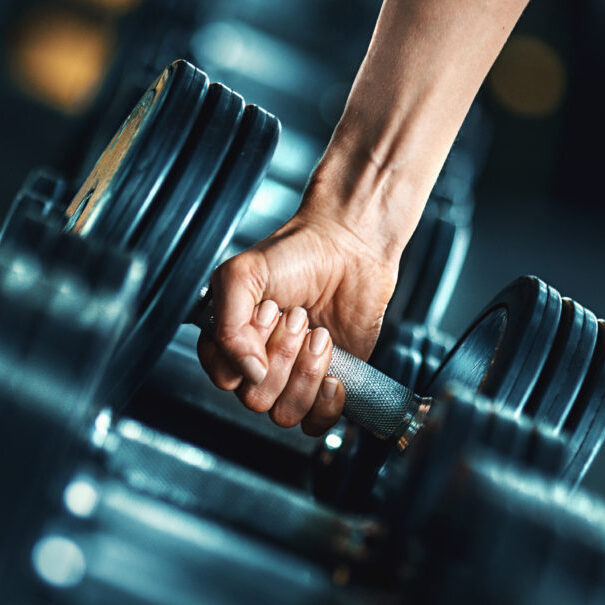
373,400
378,403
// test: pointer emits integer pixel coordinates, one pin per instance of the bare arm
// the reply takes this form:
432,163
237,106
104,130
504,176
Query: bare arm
425,64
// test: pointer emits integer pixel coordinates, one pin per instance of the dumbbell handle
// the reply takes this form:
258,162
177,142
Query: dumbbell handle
373,400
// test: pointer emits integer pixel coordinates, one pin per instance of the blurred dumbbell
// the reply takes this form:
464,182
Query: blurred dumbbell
170,186
97,513
61,319
476,519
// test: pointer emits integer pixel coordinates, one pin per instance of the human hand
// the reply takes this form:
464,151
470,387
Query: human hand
323,276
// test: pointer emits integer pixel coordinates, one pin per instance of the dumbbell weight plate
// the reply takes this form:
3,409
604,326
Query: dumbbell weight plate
566,367
198,251
586,421
59,323
188,182
410,265
115,197
441,266
504,351
78,298
466,424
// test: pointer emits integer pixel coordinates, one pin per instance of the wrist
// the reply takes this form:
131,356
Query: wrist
380,202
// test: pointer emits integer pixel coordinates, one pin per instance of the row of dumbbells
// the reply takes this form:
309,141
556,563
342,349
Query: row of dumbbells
66,300
415,355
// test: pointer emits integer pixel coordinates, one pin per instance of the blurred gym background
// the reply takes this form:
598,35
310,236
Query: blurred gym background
68,66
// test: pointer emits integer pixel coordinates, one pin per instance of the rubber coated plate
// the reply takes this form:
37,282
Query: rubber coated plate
442,263
118,192
566,367
431,272
503,352
410,266
209,231
77,311
189,181
585,424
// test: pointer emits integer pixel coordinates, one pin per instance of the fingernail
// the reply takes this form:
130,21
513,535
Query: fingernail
328,387
319,341
253,369
296,319
266,313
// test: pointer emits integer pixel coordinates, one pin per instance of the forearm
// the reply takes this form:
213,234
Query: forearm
424,66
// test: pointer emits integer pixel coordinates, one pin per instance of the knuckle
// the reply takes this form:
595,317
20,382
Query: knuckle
232,269
308,372
286,348
228,340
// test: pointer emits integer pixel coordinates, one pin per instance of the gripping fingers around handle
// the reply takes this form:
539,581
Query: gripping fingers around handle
378,403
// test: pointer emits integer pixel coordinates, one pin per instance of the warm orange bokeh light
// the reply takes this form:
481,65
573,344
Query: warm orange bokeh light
529,77
61,58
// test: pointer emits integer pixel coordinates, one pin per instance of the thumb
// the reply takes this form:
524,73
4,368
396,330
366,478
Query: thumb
237,287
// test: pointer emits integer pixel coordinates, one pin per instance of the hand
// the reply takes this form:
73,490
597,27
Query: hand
323,276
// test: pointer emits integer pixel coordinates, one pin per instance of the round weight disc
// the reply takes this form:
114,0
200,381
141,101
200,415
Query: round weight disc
431,272
73,314
442,264
189,181
504,351
566,368
198,252
115,197
585,423
410,266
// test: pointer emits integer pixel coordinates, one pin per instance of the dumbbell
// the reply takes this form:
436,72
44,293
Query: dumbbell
476,517
37,423
77,526
530,351
171,187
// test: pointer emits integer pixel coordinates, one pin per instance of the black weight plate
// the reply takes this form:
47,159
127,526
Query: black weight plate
189,181
118,192
209,232
503,352
409,271
566,367
431,274
585,424
442,262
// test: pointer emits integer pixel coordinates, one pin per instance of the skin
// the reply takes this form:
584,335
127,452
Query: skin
333,266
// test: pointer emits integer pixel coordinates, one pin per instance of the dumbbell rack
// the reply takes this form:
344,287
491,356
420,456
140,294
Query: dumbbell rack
177,494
